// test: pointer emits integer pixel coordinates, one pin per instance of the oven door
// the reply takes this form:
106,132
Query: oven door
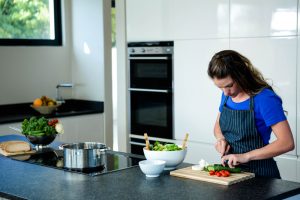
151,112
153,72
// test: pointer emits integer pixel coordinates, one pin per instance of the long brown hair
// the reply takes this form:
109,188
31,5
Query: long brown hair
240,69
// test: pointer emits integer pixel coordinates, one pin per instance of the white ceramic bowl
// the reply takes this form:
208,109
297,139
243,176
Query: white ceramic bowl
172,158
152,168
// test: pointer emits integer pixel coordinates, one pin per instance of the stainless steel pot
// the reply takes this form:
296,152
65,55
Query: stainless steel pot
86,155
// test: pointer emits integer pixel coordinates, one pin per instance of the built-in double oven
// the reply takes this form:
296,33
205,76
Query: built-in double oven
150,92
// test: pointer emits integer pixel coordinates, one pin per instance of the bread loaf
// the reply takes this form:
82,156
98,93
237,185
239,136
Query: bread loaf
15,146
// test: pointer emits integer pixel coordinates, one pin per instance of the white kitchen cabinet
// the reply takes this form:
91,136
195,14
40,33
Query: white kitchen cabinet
5,130
147,20
297,139
278,65
198,19
297,170
258,18
287,166
264,31
196,98
298,24
82,128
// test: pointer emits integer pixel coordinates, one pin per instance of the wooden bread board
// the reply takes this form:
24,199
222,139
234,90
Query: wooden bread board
204,176
17,153
6,153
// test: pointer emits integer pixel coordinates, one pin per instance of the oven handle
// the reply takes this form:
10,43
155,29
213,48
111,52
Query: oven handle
148,90
137,143
149,58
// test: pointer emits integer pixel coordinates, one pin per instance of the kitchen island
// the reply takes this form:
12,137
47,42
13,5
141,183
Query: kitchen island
20,180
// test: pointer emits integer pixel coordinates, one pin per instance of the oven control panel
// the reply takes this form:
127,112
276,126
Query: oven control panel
149,50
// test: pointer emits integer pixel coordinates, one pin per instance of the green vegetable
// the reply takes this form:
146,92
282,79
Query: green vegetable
35,133
167,147
219,167
37,127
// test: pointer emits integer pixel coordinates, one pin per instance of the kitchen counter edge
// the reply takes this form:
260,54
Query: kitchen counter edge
12,113
29,181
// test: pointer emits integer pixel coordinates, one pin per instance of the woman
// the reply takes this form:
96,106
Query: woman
249,111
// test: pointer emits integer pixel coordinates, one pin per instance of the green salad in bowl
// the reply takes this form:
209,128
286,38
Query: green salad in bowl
41,131
157,146
173,154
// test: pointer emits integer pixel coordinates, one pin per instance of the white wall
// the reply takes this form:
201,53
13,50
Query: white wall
264,31
91,57
121,117
87,53
30,72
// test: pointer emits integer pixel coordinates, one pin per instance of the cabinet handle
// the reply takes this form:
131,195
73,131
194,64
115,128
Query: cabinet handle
148,90
149,58
137,143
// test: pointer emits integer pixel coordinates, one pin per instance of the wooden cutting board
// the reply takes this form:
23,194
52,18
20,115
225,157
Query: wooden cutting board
204,176
5,153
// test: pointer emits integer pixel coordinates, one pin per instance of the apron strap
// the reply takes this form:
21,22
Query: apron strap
251,103
226,98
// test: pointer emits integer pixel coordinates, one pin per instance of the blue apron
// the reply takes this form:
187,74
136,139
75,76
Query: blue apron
239,130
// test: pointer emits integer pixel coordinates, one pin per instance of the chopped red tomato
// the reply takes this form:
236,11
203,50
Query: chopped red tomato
52,122
226,172
223,173
211,172
218,174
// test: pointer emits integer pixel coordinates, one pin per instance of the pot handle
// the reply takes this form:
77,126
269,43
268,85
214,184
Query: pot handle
61,147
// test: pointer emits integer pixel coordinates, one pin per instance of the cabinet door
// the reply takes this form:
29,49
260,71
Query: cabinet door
176,19
278,66
198,19
297,139
196,98
5,130
93,129
84,128
147,20
271,18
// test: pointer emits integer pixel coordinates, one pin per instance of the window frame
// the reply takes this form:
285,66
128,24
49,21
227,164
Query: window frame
41,42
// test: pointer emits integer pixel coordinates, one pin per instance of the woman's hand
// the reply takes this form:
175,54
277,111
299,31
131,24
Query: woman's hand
222,146
234,159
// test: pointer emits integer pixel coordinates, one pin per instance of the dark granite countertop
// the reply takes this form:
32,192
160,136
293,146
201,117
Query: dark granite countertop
72,107
21,180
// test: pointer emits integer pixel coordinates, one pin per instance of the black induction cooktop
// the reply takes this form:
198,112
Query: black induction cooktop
54,158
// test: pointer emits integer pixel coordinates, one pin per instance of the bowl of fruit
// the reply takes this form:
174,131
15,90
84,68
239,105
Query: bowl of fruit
44,105
41,131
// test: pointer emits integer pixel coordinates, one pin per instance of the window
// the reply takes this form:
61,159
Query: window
30,22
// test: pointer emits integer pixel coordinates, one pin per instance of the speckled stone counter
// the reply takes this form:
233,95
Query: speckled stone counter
21,180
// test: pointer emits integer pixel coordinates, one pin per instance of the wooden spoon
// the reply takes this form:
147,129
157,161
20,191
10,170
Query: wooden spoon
185,140
147,141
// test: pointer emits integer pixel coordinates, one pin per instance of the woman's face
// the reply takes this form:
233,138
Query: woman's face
228,86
